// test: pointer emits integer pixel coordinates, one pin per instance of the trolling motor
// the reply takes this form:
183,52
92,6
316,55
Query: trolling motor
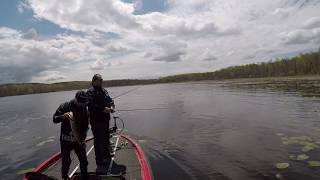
115,129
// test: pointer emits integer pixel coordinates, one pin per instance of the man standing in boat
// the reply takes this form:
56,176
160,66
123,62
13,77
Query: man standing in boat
100,106
73,137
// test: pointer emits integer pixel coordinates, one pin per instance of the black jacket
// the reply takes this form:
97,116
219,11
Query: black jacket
99,99
80,114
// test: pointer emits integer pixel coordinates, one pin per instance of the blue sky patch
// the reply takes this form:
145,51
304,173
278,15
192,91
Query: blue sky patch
23,21
148,6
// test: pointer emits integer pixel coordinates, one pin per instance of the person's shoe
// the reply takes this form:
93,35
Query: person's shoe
101,169
65,178
85,177
118,168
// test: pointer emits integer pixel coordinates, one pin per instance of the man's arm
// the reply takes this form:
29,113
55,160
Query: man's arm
59,115
109,102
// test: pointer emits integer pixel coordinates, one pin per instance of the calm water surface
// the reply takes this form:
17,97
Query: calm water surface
194,130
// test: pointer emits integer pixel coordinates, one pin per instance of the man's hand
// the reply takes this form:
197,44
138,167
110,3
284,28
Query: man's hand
68,116
108,110
112,109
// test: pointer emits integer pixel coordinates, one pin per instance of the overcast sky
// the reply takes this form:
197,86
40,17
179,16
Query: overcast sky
54,40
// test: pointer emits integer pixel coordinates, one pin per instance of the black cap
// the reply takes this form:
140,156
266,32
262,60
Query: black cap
97,77
81,97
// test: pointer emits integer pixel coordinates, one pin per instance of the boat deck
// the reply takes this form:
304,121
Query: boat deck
125,161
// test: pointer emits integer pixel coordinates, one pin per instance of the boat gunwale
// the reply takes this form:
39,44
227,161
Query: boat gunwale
52,159
144,170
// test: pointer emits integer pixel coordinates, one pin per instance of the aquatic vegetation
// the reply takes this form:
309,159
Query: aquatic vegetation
23,171
300,157
307,142
280,134
282,165
279,176
314,163
303,138
142,141
309,147
316,128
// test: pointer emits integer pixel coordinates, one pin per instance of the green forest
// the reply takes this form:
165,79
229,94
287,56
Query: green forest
32,88
303,64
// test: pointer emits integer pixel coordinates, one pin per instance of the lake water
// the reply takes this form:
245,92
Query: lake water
188,130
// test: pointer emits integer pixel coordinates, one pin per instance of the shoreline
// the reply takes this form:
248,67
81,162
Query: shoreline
303,85
308,85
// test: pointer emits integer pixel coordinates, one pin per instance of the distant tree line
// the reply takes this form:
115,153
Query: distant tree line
32,88
303,64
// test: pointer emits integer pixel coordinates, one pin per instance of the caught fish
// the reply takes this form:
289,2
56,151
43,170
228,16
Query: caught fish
75,127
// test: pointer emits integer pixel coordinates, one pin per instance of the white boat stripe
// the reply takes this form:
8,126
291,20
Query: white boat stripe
76,168
114,154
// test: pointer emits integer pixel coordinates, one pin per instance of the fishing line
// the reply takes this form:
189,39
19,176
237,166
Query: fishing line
127,92
142,109
122,126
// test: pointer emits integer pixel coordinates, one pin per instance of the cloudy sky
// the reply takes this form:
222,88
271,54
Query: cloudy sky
53,40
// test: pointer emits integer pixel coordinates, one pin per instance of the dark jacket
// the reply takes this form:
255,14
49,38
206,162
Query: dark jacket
99,99
80,114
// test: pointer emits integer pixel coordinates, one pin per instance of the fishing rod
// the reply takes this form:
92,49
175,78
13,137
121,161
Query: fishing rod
127,92
114,129
141,109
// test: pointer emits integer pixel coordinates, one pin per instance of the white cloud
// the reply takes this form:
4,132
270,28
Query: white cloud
79,15
48,77
22,6
98,65
30,34
302,36
208,55
138,4
188,33
24,59
309,32
281,12
172,56
313,22
168,51
8,33
194,26
230,53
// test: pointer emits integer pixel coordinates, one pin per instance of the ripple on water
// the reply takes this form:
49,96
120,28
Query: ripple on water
48,140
